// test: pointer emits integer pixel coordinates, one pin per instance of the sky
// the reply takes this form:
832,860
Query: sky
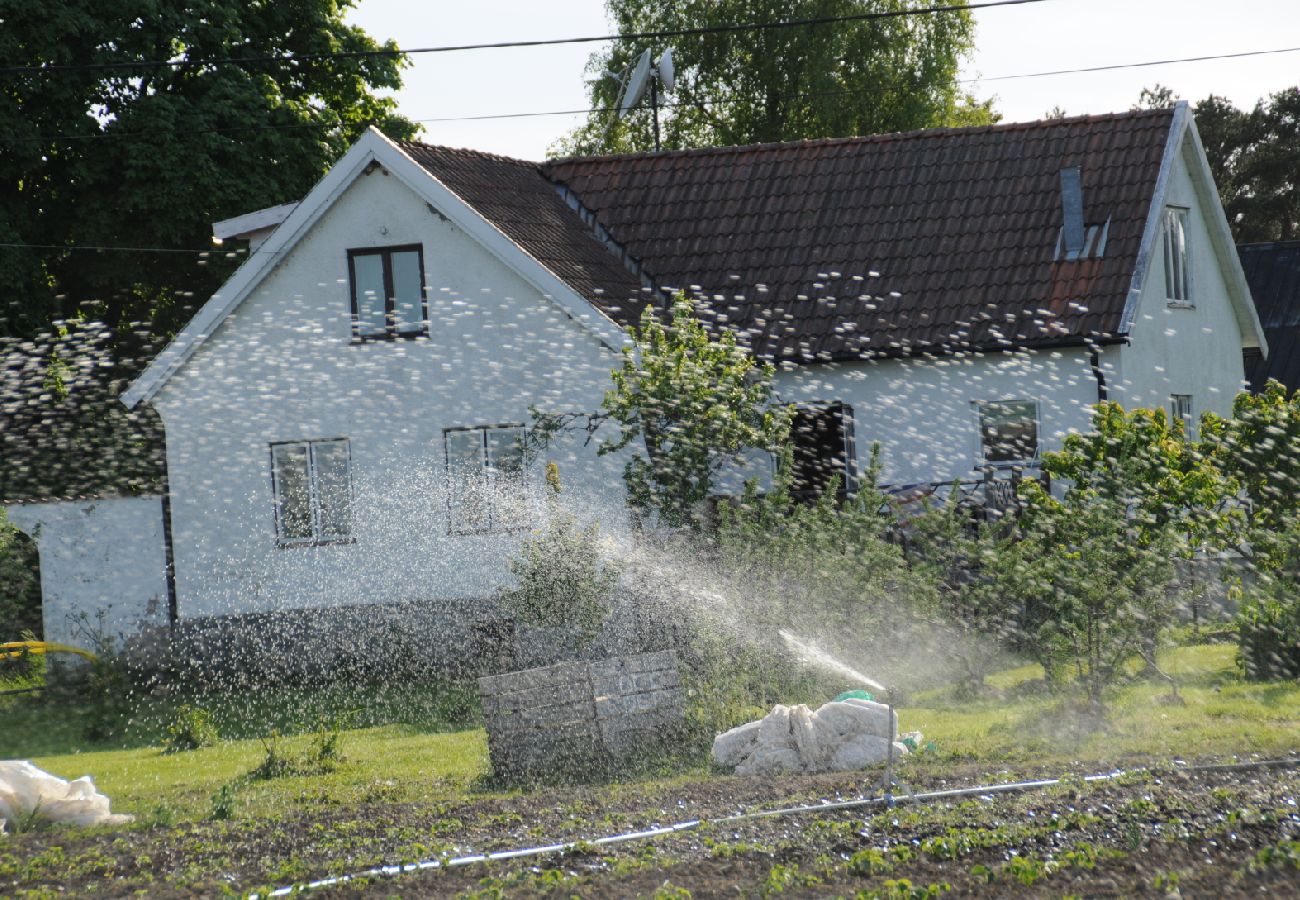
1039,37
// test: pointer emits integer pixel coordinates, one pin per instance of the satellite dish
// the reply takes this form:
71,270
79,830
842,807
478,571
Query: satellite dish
636,85
667,74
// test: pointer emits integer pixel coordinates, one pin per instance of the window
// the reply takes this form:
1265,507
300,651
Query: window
486,490
823,444
1177,278
1008,431
1180,413
313,491
387,291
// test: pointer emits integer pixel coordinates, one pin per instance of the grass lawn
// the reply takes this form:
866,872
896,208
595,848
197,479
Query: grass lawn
418,756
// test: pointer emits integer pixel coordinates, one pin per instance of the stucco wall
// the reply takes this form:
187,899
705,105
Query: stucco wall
103,566
284,367
1176,350
922,412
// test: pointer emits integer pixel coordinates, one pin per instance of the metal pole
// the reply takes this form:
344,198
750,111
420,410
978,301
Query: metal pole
654,104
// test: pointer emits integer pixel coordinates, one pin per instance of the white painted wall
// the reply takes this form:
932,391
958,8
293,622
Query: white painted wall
1175,350
284,368
103,566
922,412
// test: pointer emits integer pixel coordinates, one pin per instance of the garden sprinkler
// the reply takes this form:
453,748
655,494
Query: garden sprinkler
887,781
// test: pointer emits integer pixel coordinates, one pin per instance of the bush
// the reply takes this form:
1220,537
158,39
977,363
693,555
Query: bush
563,579
190,729
1268,643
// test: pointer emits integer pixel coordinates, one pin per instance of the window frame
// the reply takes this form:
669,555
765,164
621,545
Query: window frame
488,474
981,456
391,331
1175,264
317,538
1188,420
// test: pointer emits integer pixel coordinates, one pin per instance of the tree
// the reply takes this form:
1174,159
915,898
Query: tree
696,402
20,589
814,81
1254,156
150,155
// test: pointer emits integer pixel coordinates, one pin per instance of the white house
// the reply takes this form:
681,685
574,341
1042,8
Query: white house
342,416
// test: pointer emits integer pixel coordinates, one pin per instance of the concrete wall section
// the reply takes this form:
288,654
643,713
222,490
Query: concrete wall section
103,567
285,367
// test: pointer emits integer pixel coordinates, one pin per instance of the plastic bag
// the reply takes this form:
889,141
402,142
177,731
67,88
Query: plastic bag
27,793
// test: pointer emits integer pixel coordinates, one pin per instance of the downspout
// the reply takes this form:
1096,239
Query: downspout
173,609
1095,359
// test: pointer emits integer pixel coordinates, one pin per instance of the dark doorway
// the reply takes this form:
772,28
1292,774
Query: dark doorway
822,436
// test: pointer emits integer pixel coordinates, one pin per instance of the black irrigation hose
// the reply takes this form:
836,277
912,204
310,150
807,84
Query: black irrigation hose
1015,787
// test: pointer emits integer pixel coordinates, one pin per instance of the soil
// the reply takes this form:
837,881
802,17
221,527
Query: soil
1165,831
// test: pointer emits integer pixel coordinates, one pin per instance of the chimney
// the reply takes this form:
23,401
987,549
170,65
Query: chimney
1073,231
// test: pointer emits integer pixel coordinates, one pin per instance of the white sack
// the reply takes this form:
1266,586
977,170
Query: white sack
26,790
731,747
839,737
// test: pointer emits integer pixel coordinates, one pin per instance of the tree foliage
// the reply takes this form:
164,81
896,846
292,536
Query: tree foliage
1254,155
696,402
20,589
149,156
832,80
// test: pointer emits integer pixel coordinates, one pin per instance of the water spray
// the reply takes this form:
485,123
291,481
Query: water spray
813,655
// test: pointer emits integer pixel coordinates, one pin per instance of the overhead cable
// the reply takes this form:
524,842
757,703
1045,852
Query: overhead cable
499,45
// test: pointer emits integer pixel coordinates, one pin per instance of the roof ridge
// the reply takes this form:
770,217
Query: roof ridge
1286,244
467,151
916,134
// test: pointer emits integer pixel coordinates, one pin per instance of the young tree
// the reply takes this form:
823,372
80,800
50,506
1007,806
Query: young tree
20,589
696,402
810,81
103,145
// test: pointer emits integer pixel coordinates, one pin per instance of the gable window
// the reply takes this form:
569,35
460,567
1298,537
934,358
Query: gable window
1008,431
313,491
486,490
1177,278
823,444
387,291
1181,414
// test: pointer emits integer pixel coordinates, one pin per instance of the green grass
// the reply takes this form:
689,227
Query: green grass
394,763
423,754
1220,715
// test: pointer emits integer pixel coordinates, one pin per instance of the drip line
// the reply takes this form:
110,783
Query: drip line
1014,787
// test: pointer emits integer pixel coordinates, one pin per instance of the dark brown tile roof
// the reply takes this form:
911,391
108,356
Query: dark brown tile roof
515,197
960,224
1273,273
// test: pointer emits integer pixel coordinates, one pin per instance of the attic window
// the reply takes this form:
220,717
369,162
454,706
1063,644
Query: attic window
1177,278
388,298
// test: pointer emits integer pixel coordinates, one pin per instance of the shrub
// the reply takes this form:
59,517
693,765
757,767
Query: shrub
190,729
563,579
1268,643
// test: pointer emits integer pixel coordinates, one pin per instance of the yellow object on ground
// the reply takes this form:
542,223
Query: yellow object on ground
14,649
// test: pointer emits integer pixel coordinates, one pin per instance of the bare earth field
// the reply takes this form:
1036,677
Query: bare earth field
1161,832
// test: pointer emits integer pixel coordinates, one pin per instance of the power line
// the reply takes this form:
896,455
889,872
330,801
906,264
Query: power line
588,111
206,252
502,45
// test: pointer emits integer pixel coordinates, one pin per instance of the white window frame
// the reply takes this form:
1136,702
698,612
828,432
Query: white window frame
1176,251
318,537
1182,408
977,407
491,487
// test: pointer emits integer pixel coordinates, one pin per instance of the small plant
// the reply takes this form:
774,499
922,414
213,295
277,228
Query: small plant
190,729
870,862
1284,854
276,762
1026,870
1166,883
223,803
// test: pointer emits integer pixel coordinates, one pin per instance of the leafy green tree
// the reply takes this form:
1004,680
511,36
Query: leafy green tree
1092,579
1254,155
696,402
832,80
1258,447
1143,461
150,155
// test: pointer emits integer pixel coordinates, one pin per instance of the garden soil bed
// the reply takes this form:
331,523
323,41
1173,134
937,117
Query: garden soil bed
1152,833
